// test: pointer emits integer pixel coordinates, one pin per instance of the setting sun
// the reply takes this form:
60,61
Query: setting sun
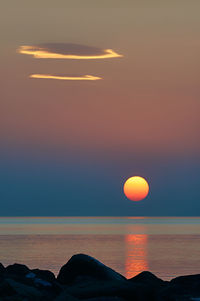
136,188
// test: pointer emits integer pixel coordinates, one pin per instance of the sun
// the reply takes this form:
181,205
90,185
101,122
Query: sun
136,188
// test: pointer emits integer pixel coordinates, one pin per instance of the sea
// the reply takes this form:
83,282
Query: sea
166,246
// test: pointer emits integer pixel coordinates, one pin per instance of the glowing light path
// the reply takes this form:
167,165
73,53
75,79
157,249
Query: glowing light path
49,76
41,53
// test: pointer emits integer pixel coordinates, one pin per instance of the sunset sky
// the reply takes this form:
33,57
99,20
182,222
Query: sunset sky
67,146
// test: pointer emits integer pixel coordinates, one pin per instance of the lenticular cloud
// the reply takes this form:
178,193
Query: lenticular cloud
67,51
65,77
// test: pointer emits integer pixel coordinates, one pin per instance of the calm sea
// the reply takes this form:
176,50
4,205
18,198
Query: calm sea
167,247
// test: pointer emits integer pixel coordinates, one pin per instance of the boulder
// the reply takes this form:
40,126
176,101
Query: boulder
105,299
189,281
102,289
182,287
44,275
174,293
147,278
81,265
2,269
64,296
153,283
17,269
12,288
5,289
46,283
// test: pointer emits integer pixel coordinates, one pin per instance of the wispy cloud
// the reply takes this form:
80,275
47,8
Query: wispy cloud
62,77
67,51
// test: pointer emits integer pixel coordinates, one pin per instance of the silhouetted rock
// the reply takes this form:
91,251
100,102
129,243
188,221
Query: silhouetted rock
121,289
151,281
44,275
17,269
2,269
174,292
85,278
83,265
12,288
181,288
147,278
189,281
64,296
46,283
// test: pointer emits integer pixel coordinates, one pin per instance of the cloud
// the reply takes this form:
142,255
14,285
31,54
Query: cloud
67,51
64,77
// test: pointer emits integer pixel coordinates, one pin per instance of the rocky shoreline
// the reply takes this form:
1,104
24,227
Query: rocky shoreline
85,278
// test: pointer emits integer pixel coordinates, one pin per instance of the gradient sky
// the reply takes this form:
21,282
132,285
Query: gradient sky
68,146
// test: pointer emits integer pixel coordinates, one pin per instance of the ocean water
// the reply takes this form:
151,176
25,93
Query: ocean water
168,247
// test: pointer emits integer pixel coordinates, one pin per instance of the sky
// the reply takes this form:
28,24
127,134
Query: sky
93,92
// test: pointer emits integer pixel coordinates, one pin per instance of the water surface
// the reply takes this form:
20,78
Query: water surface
165,246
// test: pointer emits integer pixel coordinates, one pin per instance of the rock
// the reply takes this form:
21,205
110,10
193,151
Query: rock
153,283
85,278
102,289
189,281
105,299
11,288
83,265
147,278
182,288
5,289
64,296
24,290
176,292
51,287
15,298
17,269
44,275
2,269
37,281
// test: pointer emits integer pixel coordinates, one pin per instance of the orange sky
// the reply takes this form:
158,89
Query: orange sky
148,99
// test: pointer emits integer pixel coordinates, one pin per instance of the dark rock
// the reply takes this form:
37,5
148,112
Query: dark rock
49,288
44,275
153,283
147,278
12,288
181,288
85,278
64,296
24,290
189,281
14,298
17,269
35,281
105,299
2,269
174,293
120,289
6,289
84,265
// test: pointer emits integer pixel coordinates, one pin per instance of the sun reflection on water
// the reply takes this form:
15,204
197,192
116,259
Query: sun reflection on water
136,254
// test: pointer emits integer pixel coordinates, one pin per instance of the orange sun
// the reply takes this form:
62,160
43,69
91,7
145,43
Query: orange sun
136,188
